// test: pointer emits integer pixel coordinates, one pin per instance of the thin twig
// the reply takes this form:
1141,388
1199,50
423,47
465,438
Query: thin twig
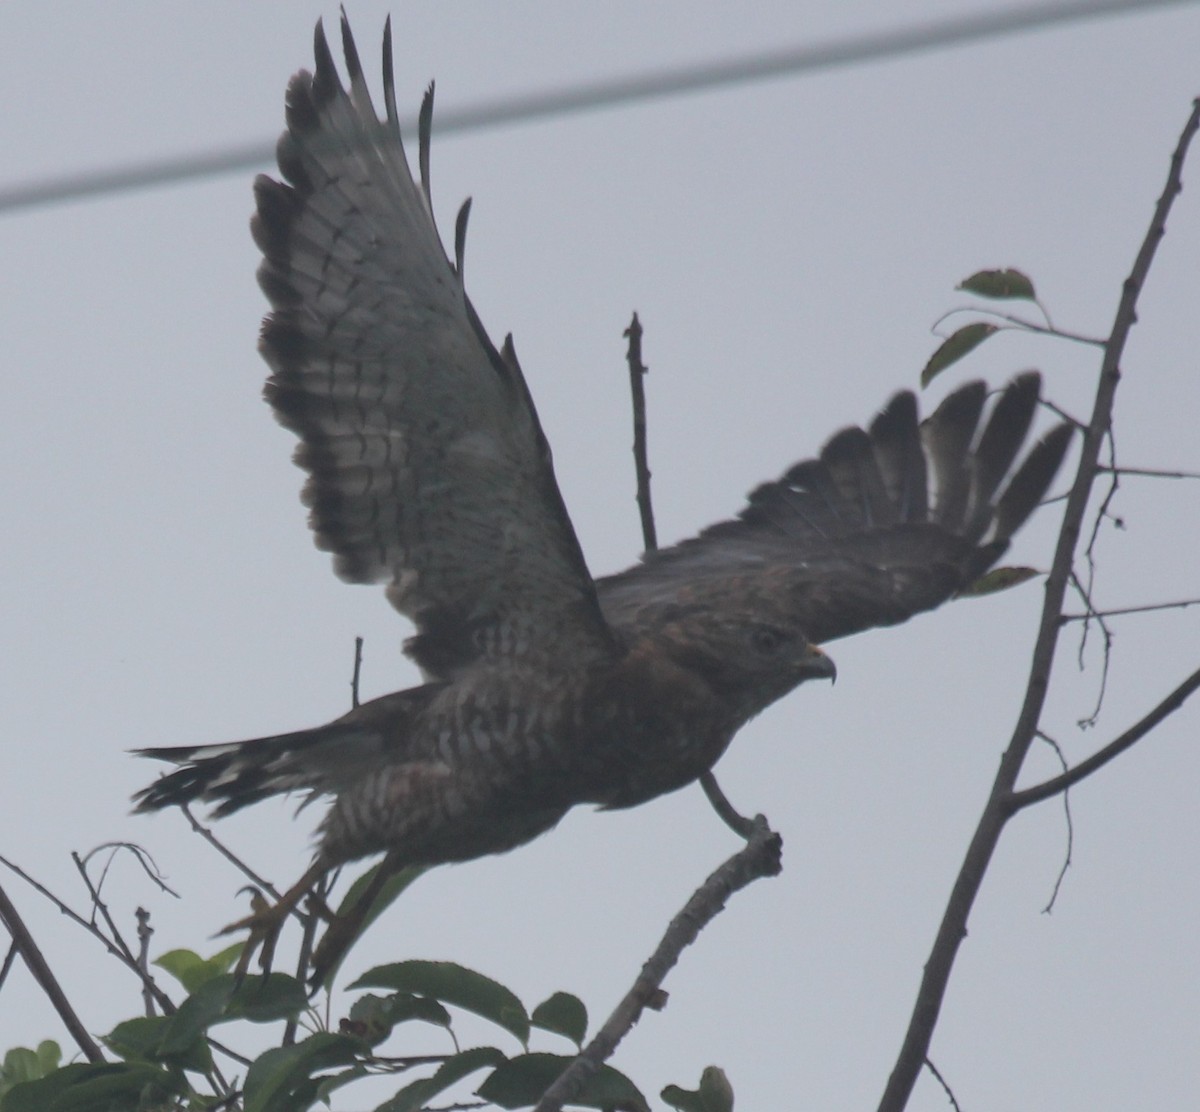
36,964
98,905
141,855
1018,324
1000,805
1146,608
1066,865
1152,472
760,857
228,854
1093,615
942,1082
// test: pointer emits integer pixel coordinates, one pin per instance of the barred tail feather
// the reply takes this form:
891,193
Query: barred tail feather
235,774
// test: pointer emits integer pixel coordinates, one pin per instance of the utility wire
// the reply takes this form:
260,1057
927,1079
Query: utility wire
594,95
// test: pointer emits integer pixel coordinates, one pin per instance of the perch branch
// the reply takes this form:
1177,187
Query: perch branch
760,857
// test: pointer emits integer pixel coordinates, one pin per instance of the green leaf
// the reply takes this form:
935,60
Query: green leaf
137,1038
1005,284
95,1087
999,579
262,999
952,349
715,1094
452,1070
257,999
281,1079
142,1039
563,1014
521,1081
192,971
453,984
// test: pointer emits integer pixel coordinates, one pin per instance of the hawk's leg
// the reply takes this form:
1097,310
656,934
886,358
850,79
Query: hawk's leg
266,921
343,929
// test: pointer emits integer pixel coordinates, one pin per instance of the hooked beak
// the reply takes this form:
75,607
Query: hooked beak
818,666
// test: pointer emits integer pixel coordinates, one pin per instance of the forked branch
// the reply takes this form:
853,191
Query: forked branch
998,809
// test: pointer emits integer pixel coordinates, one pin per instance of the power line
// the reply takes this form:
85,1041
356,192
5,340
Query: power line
591,96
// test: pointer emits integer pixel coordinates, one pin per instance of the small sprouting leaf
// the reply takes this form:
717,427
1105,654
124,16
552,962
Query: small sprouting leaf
521,1081
373,1017
278,1079
456,985
563,1014
954,347
999,579
417,1094
22,1064
715,1094
1007,284
49,1054
192,971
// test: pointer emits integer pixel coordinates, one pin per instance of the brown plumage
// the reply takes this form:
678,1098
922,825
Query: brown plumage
428,471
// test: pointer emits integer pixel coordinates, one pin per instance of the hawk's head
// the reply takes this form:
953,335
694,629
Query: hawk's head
745,654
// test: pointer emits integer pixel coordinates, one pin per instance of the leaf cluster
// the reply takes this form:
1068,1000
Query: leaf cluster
162,1061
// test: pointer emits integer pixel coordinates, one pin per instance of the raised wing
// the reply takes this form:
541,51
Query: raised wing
887,522
427,467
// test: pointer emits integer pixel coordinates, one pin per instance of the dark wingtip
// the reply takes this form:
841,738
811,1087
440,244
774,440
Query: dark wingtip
353,65
325,80
460,237
389,76
1031,481
424,132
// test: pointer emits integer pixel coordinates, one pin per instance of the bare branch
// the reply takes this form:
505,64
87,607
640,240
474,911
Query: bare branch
1135,733
999,807
1146,608
637,390
760,857
36,963
1152,472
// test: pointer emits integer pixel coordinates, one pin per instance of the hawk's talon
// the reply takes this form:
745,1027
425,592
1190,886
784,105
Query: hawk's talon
266,919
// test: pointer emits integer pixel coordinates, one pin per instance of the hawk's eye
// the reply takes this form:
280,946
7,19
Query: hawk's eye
767,641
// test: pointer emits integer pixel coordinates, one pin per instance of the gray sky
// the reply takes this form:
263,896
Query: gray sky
788,245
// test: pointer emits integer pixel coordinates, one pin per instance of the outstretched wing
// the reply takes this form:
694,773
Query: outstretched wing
427,467
887,522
